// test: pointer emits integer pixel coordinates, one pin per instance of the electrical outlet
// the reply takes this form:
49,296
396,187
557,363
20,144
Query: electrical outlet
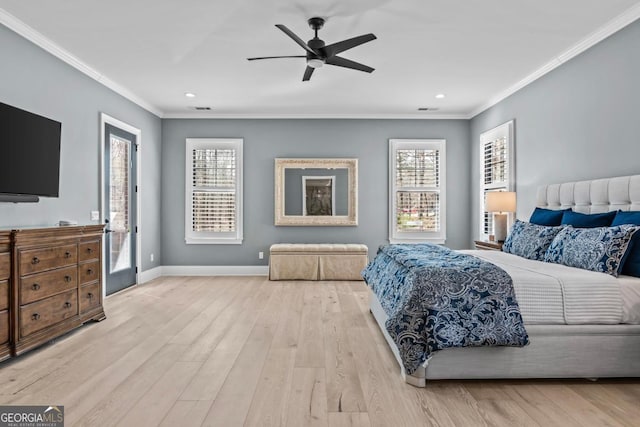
95,216
151,257
260,255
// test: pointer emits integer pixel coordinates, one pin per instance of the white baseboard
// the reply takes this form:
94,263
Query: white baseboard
149,275
215,270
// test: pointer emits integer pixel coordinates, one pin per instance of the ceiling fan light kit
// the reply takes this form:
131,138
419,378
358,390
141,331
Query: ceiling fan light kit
318,54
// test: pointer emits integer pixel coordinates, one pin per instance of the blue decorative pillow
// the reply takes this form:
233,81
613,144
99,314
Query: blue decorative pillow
580,220
601,249
550,217
631,266
530,240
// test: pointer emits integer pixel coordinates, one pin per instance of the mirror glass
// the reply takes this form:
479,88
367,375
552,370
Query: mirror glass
316,192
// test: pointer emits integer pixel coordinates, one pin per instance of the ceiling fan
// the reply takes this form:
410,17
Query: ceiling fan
318,54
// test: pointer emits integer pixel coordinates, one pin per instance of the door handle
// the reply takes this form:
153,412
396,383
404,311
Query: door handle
106,230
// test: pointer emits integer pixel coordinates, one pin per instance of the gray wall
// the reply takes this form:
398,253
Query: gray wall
265,140
293,189
581,121
34,80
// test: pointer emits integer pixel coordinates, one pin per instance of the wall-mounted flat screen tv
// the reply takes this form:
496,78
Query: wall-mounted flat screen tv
29,153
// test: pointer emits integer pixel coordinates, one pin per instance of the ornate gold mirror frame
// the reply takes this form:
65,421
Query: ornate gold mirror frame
351,217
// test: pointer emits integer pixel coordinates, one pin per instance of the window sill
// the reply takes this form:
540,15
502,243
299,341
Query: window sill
437,241
192,241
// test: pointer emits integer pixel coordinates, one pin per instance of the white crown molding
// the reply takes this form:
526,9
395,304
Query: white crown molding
215,270
318,116
597,36
49,46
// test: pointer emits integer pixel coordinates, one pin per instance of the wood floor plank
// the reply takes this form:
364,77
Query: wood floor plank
193,351
233,401
270,398
349,419
288,332
578,407
156,403
310,349
497,408
214,371
344,392
187,413
308,399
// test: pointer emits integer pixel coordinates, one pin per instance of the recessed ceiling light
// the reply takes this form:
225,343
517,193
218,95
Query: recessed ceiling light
440,96
190,95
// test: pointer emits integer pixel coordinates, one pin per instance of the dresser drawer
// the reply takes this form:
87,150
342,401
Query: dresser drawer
43,285
90,296
4,326
39,315
4,295
89,272
36,260
5,266
89,250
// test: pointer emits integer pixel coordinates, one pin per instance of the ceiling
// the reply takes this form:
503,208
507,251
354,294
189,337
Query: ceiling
473,51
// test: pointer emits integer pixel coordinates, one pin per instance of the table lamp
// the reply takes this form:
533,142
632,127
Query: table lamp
500,203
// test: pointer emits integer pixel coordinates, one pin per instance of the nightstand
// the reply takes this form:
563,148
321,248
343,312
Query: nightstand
488,246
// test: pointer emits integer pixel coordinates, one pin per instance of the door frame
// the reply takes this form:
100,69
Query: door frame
104,120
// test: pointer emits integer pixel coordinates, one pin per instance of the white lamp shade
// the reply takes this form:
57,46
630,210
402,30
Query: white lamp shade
501,201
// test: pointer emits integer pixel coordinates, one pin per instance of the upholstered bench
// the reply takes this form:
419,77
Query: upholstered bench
322,261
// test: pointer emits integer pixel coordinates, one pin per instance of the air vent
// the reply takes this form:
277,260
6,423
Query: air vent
428,109
201,108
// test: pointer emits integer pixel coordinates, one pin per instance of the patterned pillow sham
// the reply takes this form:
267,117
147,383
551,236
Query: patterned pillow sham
530,240
601,249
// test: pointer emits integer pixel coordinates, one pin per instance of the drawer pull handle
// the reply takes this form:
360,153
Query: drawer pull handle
35,260
67,304
67,254
35,316
67,279
90,295
89,272
35,286
89,250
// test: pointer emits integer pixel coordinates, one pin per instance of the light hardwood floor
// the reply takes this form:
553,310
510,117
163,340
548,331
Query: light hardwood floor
220,351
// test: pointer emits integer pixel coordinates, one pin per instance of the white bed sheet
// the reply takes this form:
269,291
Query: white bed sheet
551,294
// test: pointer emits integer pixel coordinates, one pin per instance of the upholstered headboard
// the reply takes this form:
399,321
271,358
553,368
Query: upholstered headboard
599,195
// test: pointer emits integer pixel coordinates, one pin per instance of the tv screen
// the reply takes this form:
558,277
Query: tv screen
29,153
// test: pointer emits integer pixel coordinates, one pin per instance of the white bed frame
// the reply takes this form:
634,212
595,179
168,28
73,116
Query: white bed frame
555,351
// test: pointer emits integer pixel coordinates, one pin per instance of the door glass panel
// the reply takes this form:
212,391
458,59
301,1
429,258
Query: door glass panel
120,247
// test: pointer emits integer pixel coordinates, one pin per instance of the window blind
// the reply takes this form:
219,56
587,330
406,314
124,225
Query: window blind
213,211
417,185
496,169
214,207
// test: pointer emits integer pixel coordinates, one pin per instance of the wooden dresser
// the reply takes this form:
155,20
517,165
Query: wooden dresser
55,283
5,276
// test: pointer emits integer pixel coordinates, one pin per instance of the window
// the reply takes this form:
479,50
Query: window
496,168
417,190
213,191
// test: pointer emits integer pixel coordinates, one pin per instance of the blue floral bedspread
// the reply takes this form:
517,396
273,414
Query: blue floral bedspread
437,298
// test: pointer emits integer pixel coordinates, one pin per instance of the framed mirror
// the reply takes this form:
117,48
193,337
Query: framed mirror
316,192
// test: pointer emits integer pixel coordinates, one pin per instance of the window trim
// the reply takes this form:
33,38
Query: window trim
504,130
212,238
423,236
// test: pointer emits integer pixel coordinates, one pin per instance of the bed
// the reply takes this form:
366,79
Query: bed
580,324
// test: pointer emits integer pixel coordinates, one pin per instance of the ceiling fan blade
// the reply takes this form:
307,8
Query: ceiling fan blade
296,38
276,57
336,48
307,73
347,63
